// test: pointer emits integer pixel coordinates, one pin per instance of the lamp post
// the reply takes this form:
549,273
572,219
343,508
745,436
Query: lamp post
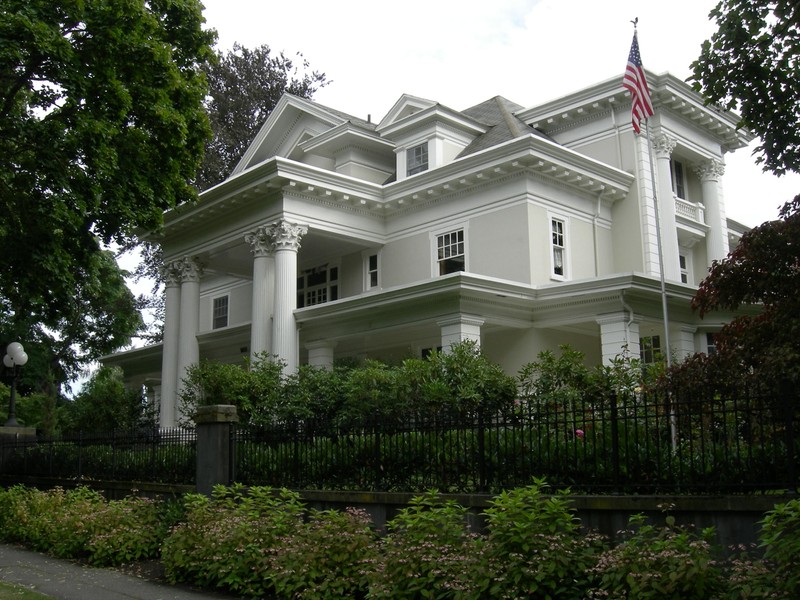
14,360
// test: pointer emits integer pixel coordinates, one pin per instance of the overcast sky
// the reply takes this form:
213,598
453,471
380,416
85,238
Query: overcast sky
461,52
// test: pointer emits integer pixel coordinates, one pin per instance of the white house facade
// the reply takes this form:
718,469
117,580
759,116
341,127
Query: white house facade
520,228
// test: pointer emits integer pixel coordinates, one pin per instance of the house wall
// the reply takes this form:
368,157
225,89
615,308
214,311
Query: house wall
240,301
498,244
406,259
512,349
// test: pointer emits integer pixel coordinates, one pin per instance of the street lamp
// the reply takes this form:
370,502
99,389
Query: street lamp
14,360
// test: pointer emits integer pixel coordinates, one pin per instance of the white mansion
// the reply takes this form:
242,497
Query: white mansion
520,228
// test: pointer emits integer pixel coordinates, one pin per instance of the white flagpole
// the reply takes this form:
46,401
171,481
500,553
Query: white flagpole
664,309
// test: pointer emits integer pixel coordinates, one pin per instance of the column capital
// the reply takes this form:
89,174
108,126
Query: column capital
710,170
260,241
663,145
286,235
171,272
190,269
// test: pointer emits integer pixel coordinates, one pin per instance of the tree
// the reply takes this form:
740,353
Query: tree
751,65
102,128
763,269
243,87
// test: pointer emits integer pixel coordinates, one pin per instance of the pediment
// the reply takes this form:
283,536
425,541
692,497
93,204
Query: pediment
293,122
405,106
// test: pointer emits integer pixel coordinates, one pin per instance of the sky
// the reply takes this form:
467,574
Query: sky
462,52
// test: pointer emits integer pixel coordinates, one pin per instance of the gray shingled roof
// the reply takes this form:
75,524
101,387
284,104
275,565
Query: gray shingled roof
498,114
354,120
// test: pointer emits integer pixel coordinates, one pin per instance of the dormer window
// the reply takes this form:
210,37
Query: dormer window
417,159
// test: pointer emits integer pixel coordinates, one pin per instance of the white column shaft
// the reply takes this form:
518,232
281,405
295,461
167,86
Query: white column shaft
717,236
459,329
188,348
666,210
169,357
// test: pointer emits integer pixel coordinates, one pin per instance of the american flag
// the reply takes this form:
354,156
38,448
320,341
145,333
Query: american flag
635,82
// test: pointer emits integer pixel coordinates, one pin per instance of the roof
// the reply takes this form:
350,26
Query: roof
499,114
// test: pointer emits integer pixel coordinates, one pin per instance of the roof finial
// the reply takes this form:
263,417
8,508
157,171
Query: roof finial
635,23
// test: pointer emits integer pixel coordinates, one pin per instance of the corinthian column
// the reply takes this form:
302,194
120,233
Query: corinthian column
663,146
188,348
260,242
169,357
710,173
286,242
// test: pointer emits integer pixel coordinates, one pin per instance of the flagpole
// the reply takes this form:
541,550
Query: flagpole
641,109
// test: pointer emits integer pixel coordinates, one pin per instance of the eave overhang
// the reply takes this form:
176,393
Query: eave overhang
669,94
547,160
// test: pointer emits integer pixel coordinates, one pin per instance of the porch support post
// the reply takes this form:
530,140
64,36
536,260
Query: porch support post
685,344
320,354
460,328
618,335
286,241
663,146
169,354
710,173
263,296
188,347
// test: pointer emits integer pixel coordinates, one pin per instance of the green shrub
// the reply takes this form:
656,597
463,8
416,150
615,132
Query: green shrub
126,530
777,573
535,547
427,553
661,563
327,557
230,542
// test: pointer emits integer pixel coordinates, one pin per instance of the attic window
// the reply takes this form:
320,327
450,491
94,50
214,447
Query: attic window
417,159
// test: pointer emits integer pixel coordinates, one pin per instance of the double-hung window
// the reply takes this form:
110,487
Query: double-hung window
417,159
371,265
678,178
650,349
558,232
317,286
220,312
450,255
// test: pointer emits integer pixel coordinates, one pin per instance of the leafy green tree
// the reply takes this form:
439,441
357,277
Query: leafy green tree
751,65
105,404
102,127
243,87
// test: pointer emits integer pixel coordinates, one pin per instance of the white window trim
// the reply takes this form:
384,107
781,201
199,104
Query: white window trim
365,256
227,310
550,247
434,246
329,265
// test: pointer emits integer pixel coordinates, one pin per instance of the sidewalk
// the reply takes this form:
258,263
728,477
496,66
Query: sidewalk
67,580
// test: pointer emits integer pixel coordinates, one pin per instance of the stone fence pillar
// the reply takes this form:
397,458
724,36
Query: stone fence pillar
214,448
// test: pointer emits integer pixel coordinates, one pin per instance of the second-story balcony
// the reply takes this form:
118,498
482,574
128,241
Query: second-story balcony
693,211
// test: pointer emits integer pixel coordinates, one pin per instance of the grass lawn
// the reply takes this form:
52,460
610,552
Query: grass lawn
9,591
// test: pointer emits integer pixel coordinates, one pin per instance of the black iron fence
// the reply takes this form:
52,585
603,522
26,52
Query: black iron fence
153,455
634,444
638,444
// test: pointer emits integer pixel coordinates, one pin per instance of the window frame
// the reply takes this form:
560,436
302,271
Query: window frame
328,290
436,268
562,247
650,351
414,163
215,309
677,172
372,277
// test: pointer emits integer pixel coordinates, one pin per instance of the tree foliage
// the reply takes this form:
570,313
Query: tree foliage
764,269
101,128
751,65
243,87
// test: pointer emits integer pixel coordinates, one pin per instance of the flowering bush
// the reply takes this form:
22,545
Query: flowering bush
661,563
327,557
535,547
230,542
428,553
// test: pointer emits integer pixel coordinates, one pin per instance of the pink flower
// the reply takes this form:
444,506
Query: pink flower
579,433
